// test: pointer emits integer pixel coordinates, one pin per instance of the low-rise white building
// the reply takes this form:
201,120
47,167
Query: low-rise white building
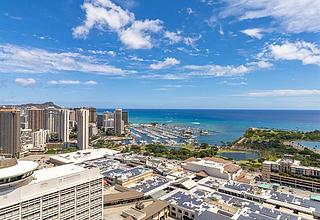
213,166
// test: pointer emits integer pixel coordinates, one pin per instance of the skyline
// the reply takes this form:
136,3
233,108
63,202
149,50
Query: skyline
144,54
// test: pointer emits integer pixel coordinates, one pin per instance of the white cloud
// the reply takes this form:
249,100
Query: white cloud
189,11
64,82
101,14
168,87
284,93
172,87
25,81
134,34
230,83
228,70
71,82
221,32
16,59
307,53
135,58
103,52
104,14
254,33
90,82
264,64
169,61
217,70
191,41
293,16
168,76
138,35
209,70
260,64
173,37
12,17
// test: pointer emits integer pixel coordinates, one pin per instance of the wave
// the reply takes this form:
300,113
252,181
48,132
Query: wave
195,123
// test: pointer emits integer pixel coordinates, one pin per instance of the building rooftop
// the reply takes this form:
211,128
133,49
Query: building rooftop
232,168
208,163
133,172
82,155
154,208
239,186
304,203
186,200
208,215
122,196
48,180
106,164
56,172
217,160
9,110
20,168
150,184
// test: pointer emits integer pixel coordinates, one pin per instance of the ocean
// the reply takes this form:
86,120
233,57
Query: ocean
227,125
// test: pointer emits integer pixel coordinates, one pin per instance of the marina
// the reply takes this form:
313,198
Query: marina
166,134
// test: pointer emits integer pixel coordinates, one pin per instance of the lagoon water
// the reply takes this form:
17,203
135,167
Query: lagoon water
240,155
227,125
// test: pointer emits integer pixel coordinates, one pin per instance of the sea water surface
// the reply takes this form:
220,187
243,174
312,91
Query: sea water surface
227,125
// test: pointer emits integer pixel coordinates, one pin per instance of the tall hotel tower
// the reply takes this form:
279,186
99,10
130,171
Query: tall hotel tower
36,118
83,128
10,132
51,119
118,122
63,131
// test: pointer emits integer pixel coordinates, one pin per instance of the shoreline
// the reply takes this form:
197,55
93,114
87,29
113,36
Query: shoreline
301,147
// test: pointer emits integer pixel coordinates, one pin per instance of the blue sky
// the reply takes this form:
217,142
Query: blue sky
161,54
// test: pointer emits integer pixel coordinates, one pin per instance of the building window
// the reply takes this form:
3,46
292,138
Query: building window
179,211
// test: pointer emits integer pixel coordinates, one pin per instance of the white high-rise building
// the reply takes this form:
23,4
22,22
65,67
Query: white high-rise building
63,131
26,139
63,192
52,119
93,130
23,119
57,122
107,124
108,120
83,128
40,138
72,118
118,122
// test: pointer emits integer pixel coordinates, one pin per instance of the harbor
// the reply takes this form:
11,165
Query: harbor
165,134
